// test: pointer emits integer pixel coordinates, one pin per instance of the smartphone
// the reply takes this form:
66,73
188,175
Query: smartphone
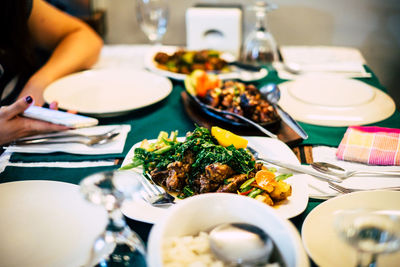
59,117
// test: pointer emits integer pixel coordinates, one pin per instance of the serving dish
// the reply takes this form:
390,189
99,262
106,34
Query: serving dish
108,92
203,212
142,211
152,65
226,115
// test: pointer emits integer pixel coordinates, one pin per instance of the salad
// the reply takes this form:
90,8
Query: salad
209,161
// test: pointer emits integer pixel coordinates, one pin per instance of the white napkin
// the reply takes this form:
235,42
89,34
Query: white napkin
342,61
122,56
320,189
115,146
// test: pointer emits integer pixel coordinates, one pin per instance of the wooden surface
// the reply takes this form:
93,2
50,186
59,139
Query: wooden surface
284,132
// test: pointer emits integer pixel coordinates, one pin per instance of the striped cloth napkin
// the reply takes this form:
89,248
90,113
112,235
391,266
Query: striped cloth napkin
371,145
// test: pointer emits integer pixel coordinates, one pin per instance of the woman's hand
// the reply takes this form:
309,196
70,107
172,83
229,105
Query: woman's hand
14,126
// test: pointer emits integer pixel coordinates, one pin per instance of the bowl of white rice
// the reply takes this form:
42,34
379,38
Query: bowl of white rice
180,239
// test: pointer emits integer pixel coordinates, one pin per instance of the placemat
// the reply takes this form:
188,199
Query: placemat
68,175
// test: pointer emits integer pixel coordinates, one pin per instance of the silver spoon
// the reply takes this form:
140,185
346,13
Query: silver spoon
273,94
337,171
241,243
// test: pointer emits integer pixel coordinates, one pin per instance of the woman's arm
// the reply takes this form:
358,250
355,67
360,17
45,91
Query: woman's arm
13,126
74,44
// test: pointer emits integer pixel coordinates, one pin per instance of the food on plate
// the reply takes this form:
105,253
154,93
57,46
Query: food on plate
187,250
232,96
209,161
184,61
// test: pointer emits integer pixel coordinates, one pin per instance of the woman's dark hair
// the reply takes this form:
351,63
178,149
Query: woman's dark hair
14,32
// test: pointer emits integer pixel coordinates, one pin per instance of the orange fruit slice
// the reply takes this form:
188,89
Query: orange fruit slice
266,180
226,138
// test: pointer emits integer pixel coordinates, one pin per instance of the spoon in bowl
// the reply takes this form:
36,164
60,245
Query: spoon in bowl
337,171
241,243
273,94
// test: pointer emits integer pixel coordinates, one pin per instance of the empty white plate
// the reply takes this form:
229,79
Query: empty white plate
47,223
321,241
331,100
108,92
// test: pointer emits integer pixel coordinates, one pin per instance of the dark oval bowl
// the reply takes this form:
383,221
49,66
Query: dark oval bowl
222,118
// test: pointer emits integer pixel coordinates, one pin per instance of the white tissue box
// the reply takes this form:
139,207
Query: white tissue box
214,28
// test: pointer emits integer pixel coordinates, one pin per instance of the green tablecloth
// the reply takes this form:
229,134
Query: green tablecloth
170,115
167,115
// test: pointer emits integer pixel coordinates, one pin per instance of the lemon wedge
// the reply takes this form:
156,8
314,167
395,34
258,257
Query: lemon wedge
226,138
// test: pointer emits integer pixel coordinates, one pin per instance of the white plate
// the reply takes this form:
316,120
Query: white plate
142,211
331,100
151,65
108,92
47,223
321,241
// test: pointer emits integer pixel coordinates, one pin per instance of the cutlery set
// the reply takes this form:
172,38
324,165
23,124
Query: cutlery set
63,138
331,173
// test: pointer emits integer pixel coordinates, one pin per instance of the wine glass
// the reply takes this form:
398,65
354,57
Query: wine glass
260,46
152,16
370,232
117,245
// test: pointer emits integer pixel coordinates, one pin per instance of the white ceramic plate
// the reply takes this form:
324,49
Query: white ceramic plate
47,223
108,92
151,65
321,241
331,100
142,211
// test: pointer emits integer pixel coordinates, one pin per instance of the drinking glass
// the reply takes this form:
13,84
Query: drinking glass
370,232
117,245
260,46
152,16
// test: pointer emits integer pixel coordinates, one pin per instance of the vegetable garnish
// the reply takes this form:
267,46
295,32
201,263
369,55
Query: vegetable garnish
203,163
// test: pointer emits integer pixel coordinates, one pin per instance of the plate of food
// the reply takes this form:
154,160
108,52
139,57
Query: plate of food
215,161
177,62
218,98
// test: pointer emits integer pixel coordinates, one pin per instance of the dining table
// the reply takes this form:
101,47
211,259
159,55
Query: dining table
146,123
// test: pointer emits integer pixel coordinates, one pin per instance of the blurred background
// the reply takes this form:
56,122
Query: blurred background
372,26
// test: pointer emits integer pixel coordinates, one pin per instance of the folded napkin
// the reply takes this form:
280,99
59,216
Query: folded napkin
371,145
116,145
342,61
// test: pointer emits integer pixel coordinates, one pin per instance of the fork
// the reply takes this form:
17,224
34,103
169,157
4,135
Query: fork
88,140
293,167
346,190
153,194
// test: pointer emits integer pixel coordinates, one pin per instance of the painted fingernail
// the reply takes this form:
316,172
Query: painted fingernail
28,99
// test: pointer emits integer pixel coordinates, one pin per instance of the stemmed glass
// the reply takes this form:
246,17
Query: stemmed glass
370,232
260,46
152,16
117,245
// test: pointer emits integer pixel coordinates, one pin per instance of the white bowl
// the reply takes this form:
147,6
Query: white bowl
203,212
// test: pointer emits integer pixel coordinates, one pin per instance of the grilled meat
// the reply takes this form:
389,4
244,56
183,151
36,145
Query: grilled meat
217,172
234,185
